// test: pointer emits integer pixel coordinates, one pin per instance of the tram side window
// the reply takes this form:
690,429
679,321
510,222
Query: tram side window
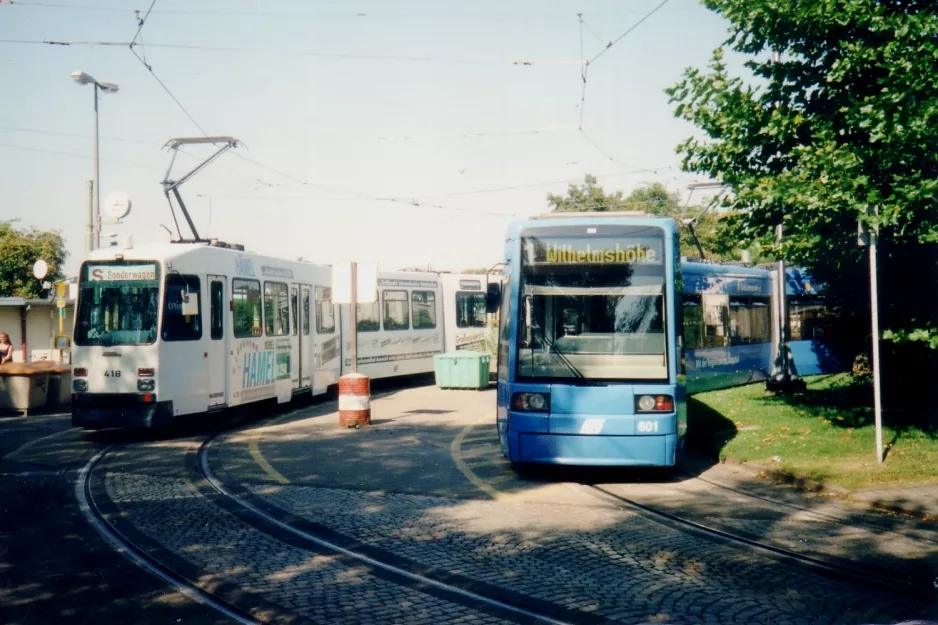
808,320
368,315
217,310
396,312
749,320
470,310
182,309
693,322
247,307
294,302
276,309
325,311
504,331
305,311
423,305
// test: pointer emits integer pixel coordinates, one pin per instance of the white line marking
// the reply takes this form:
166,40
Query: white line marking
218,486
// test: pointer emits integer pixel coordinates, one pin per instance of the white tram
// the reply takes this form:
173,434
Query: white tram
167,330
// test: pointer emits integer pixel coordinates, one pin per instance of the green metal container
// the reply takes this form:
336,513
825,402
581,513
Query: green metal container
462,369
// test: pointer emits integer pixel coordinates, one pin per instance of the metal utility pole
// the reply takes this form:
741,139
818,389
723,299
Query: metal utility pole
89,216
97,176
353,315
97,86
782,313
874,309
870,236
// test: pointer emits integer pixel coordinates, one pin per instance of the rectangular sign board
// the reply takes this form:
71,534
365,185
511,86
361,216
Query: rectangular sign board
342,283
122,273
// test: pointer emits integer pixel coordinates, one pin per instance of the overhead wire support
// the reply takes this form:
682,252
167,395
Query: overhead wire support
583,70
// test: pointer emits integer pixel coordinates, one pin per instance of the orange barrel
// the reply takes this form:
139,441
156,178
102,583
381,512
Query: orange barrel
354,400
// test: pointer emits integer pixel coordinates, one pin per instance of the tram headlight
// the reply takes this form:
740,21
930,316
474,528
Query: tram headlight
146,385
80,386
531,402
654,403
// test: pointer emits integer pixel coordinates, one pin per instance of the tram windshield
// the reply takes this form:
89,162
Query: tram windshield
593,308
118,303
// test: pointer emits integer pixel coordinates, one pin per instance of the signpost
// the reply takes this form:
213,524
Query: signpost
353,283
61,296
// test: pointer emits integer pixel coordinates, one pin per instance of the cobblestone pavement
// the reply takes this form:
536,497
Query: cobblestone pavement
148,486
603,561
426,487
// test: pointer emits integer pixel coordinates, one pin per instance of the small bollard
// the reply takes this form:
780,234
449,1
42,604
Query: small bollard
354,400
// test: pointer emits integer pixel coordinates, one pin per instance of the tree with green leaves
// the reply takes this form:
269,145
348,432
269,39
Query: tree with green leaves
654,199
19,250
837,124
586,197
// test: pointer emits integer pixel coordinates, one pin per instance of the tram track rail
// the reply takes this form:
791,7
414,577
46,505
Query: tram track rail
126,547
103,519
421,580
867,577
841,568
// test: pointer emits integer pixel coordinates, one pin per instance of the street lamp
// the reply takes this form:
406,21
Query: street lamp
94,240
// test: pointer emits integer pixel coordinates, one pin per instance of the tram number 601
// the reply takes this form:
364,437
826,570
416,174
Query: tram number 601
647,426
112,373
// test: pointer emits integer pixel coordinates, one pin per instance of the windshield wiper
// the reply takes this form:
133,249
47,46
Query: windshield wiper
551,344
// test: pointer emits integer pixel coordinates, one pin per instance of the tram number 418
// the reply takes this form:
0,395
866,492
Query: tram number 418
112,373
647,426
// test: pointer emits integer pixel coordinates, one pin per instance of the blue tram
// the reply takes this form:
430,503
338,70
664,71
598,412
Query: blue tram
588,341
603,331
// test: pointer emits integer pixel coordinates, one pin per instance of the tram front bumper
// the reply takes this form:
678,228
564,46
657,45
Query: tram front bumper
119,410
610,451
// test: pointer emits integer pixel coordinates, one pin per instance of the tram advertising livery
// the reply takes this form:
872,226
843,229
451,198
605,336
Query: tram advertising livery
587,369
170,331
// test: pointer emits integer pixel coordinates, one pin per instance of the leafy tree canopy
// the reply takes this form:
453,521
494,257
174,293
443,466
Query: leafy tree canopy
653,199
842,127
19,250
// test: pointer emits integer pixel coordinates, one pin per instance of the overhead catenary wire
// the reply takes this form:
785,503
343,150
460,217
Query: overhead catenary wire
141,22
627,32
413,201
356,15
78,135
543,184
304,53
30,148
584,70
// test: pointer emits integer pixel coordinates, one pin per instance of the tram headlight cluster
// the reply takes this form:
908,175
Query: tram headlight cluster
654,403
79,385
146,385
531,402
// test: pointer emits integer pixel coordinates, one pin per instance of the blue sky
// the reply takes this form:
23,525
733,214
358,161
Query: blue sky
343,104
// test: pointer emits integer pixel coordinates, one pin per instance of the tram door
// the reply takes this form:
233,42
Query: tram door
218,343
296,344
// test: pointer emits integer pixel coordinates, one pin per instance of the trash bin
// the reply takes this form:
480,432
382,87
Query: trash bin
462,369
60,382
23,388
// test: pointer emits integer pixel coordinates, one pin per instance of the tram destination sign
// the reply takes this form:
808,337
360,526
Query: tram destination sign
593,251
121,273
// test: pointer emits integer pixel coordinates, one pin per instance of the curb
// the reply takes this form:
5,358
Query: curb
829,490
